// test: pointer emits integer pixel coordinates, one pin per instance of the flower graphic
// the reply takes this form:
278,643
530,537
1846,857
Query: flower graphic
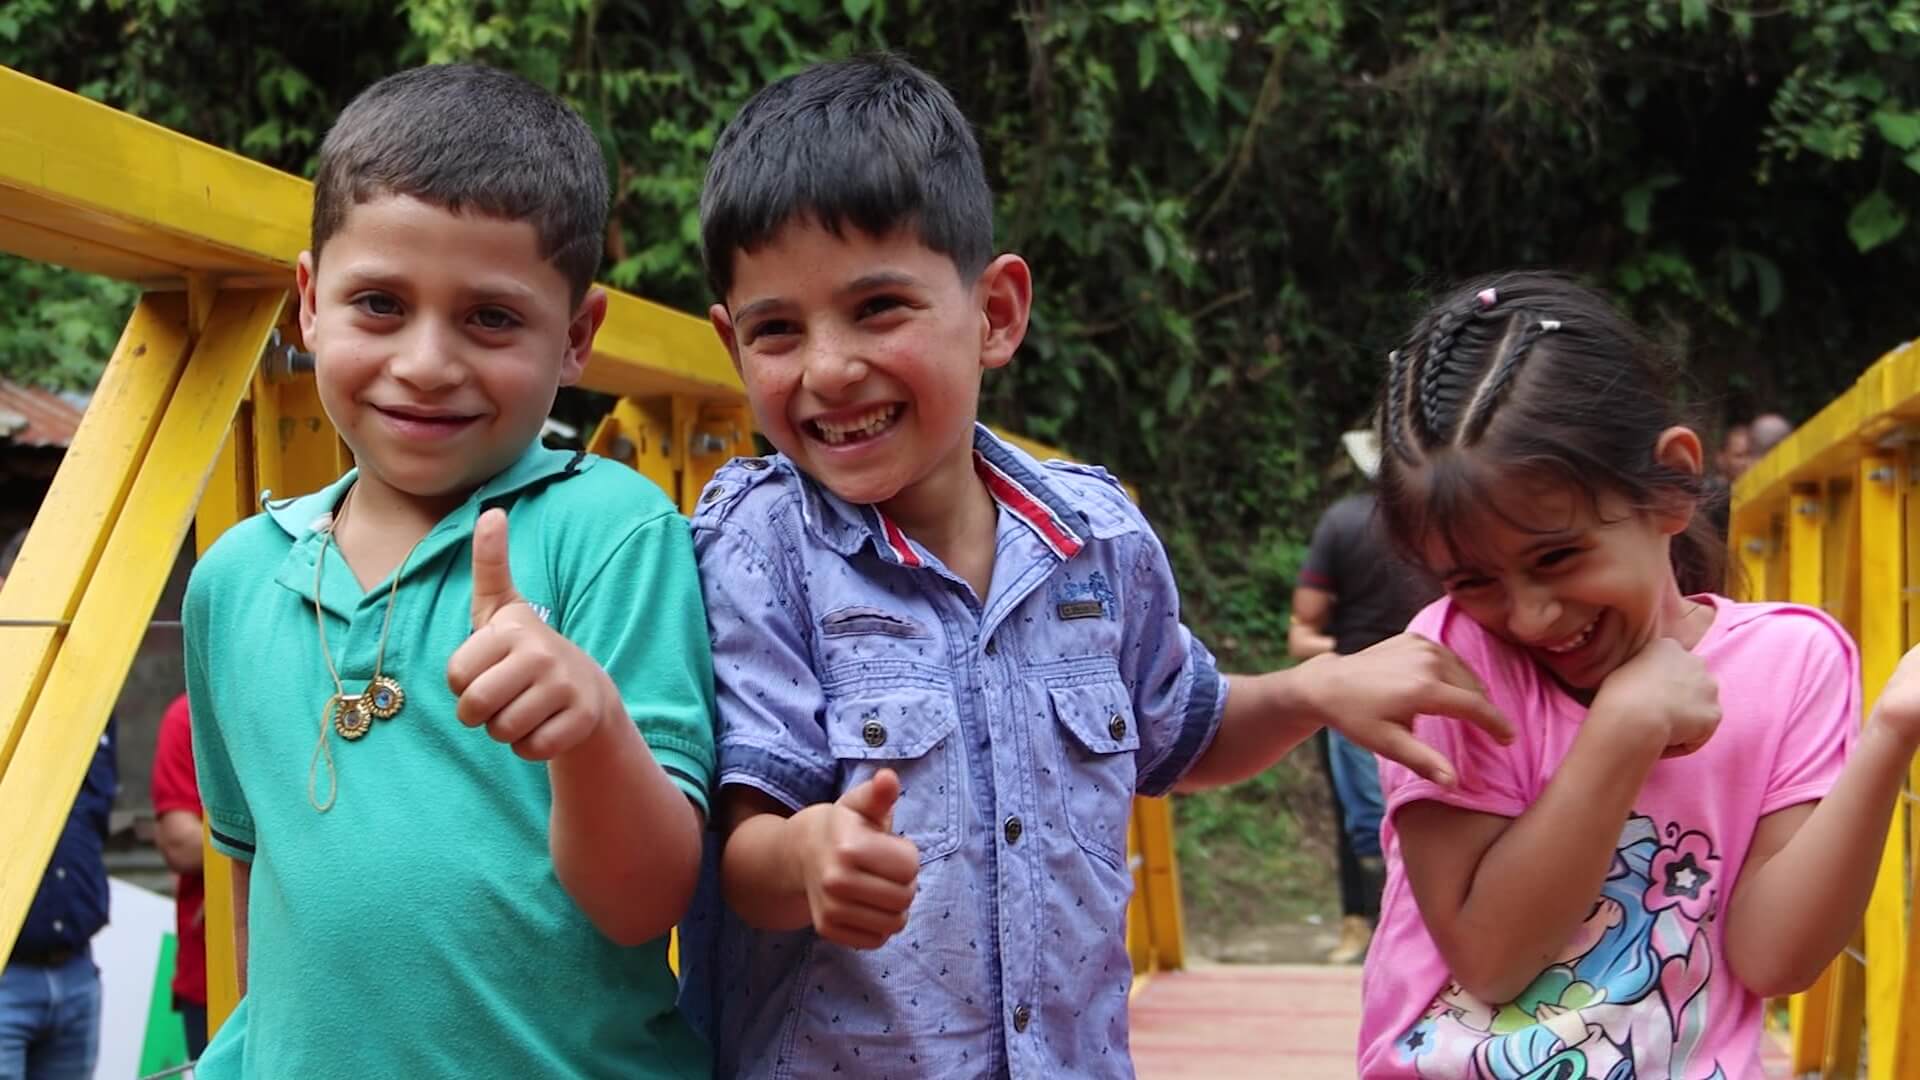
1685,875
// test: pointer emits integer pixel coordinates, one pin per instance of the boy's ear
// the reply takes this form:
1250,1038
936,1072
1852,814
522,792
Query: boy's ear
1679,449
303,282
722,320
1006,299
586,323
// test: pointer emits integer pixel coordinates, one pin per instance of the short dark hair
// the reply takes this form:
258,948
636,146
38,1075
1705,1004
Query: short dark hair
1531,374
872,141
465,137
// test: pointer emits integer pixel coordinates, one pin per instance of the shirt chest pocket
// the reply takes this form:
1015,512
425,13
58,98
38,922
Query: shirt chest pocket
915,732
1099,742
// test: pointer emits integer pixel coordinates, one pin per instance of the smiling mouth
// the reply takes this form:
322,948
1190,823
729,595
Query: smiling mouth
1574,643
855,429
427,421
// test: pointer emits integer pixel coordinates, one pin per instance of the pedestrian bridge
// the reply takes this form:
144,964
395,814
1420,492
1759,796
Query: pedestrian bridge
207,400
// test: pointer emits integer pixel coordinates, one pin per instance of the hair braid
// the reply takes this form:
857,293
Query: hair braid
1433,367
1393,409
1497,383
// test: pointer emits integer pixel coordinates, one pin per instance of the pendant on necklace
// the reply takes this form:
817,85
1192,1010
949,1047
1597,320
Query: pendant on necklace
350,717
383,698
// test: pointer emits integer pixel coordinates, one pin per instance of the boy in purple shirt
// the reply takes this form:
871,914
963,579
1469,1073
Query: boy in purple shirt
943,668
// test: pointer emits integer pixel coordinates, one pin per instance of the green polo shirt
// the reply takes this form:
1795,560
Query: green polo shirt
417,928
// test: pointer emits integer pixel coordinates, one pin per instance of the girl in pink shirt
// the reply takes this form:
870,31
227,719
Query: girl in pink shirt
1689,817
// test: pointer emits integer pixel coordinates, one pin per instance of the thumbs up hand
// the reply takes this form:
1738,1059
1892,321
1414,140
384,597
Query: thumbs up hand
859,876
528,686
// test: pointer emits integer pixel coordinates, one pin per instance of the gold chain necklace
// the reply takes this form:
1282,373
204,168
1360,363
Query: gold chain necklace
352,715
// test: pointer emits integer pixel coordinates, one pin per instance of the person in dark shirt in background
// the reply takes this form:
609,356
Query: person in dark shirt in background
177,816
50,991
1354,592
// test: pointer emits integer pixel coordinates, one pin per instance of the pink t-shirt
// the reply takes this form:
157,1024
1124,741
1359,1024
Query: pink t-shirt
1644,983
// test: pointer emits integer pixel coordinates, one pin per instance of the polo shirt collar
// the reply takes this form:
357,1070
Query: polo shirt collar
304,517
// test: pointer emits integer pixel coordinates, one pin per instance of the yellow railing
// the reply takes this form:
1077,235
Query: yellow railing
1831,518
197,413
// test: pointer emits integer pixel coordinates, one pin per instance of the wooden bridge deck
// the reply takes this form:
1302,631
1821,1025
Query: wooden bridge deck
1237,1022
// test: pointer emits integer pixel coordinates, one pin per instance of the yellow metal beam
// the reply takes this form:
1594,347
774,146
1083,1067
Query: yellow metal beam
90,187
1806,527
117,187
1161,871
1872,411
135,547
51,573
1882,633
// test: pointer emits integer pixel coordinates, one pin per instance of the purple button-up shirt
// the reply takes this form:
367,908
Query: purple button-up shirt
1021,727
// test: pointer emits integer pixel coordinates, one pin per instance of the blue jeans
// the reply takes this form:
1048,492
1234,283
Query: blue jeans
50,1021
1356,780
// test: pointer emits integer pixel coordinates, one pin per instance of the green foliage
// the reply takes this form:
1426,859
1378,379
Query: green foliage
1231,206
60,325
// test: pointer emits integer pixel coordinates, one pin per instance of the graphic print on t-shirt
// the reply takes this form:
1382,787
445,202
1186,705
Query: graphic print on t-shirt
1627,998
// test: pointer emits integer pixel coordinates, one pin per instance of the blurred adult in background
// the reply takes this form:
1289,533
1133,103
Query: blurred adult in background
1354,592
1736,453
1769,430
50,990
177,814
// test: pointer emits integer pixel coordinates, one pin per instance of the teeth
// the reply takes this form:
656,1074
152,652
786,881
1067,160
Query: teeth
871,423
1584,637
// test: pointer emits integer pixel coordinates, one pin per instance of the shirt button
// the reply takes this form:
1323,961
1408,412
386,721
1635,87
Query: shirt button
874,732
59,927
60,872
753,464
1021,1016
1013,830
1117,726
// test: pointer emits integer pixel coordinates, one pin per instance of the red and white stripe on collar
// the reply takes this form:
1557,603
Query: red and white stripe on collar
1008,492
1013,495
897,540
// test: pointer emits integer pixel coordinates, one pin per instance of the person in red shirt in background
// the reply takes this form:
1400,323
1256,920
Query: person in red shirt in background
176,806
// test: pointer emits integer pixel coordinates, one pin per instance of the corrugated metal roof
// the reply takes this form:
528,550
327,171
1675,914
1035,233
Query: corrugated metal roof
31,417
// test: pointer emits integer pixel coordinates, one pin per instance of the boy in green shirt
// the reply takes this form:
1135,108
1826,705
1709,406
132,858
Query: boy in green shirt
414,898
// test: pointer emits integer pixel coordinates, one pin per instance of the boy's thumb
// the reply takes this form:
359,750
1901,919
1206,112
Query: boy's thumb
874,799
492,574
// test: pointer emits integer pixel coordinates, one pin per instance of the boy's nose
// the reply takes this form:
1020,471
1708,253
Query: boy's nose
832,366
427,360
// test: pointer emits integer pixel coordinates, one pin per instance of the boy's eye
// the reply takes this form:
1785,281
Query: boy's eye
771,328
493,318
876,305
378,304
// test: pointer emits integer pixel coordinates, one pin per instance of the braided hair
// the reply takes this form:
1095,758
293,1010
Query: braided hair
1531,373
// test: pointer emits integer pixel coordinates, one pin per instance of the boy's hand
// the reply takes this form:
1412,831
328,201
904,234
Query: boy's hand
532,688
859,876
1898,708
1372,696
1666,691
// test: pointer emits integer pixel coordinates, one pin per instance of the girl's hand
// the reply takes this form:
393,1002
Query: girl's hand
1664,693
1898,708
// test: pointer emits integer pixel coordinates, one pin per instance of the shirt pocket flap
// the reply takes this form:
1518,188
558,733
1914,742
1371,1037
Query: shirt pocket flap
896,724
1100,716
